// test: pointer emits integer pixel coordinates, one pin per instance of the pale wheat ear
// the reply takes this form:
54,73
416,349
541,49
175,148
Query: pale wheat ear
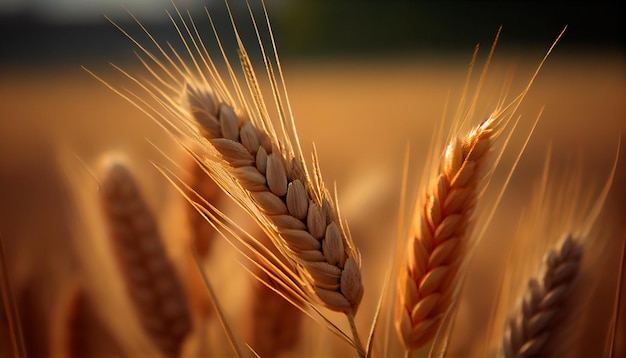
528,333
561,206
10,306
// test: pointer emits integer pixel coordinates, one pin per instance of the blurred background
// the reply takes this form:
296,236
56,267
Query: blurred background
52,31
365,78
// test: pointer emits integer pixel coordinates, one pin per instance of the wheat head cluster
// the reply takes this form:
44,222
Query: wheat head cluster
303,281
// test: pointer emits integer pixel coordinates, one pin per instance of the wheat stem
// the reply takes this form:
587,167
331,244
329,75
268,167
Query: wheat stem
355,334
10,305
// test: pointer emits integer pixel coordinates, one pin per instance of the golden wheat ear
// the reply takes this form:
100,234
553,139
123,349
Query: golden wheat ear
272,274
261,168
439,238
150,277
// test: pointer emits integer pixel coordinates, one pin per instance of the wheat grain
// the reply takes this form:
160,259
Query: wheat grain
528,332
150,277
439,238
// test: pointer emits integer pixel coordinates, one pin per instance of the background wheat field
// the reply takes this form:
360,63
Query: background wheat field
361,108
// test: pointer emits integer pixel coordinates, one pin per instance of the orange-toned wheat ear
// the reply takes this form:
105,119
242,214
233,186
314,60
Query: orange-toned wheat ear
439,238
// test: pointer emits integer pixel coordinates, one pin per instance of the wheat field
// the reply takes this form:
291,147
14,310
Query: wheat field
361,114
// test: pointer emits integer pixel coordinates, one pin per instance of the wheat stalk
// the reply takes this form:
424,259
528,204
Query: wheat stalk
150,277
528,332
67,339
439,238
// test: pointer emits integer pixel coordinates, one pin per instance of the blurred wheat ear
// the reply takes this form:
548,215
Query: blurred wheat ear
543,306
151,279
543,311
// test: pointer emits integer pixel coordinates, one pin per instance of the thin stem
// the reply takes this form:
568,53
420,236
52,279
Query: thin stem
10,305
355,336
616,305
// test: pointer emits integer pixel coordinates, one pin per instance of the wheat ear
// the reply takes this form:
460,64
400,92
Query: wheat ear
298,216
439,237
527,333
306,225
149,275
